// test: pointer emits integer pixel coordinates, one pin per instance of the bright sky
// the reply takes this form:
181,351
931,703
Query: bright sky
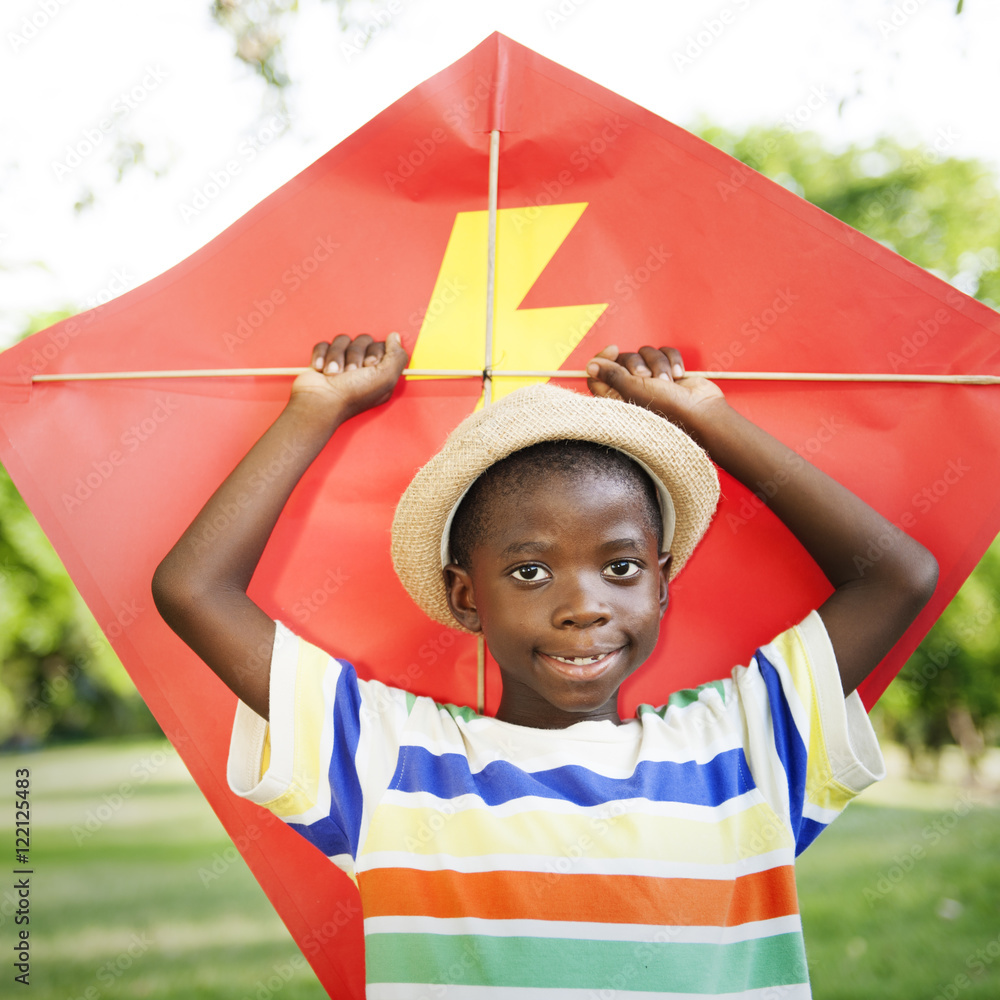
163,72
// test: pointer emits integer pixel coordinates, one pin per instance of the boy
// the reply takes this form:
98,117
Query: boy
556,850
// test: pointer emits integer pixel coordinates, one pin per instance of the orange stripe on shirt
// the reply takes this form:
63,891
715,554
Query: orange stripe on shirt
618,899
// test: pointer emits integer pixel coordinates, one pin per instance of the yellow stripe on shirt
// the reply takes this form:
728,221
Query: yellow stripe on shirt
307,767
822,787
478,832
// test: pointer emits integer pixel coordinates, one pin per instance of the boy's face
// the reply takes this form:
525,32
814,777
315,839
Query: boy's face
568,587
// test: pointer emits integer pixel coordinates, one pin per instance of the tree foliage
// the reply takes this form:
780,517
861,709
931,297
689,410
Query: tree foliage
59,678
257,28
938,211
948,691
942,213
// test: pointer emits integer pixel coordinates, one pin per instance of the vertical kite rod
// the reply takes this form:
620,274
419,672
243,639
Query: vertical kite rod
480,674
491,263
491,271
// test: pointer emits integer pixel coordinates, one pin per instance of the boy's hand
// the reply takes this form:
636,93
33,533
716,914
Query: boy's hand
349,376
872,604
654,378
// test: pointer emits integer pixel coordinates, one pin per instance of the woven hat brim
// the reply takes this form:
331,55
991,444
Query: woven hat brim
528,416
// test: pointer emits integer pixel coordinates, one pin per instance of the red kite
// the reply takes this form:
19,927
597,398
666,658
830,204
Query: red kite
611,226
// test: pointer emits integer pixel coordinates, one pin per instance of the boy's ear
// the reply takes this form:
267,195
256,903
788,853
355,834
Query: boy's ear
666,558
461,597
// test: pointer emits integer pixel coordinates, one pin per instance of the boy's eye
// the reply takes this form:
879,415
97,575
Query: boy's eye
621,569
530,573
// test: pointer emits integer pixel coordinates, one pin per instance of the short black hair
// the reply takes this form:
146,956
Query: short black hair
521,469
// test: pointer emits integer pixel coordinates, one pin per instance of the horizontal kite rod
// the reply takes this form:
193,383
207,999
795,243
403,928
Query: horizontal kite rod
785,376
494,373
233,373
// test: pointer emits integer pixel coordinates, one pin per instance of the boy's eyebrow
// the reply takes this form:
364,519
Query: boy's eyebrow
520,548
535,546
635,544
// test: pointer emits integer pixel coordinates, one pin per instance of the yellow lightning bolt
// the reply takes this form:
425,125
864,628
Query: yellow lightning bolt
453,333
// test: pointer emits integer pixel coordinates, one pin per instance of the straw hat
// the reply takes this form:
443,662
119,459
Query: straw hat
686,481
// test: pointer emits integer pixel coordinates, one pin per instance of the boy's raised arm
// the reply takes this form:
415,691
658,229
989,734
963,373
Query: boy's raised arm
872,605
200,587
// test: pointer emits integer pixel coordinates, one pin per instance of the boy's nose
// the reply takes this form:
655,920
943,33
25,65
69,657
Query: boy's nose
579,606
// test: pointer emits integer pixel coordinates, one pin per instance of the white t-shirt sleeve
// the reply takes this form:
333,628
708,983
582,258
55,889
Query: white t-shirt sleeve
329,748
809,749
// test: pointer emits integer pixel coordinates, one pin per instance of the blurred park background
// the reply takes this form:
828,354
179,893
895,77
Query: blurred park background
140,892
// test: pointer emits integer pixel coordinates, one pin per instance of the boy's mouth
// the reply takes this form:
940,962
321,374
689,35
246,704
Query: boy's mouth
581,667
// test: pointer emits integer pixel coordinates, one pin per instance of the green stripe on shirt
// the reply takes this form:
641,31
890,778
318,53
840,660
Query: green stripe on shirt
480,960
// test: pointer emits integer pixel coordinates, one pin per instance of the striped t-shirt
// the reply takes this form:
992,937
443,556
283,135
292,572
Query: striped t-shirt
654,858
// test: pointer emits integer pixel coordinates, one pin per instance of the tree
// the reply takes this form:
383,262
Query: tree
59,678
948,689
943,214
257,27
940,212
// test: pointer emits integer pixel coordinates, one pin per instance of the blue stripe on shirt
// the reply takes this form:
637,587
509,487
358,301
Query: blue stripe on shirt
809,830
787,742
448,775
340,832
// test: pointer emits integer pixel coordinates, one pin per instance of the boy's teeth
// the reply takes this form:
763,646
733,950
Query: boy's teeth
577,660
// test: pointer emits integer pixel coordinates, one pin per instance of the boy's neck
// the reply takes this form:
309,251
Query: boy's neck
528,711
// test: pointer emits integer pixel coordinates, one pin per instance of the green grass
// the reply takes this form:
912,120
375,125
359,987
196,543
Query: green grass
872,929
118,909
898,902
